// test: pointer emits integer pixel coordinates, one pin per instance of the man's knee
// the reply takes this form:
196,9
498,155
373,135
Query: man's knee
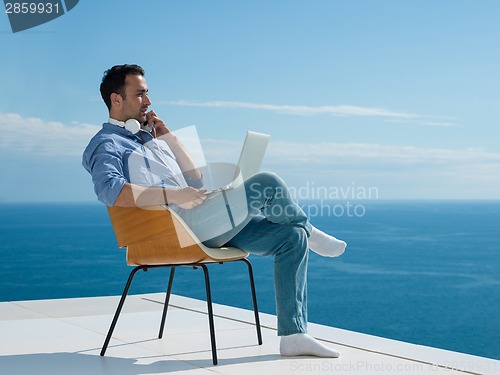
264,181
296,238
267,178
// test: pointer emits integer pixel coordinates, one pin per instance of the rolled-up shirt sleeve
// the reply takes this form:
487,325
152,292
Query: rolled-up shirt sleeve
107,170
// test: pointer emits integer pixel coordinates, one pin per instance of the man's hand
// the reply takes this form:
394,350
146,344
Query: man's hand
160,128
186,198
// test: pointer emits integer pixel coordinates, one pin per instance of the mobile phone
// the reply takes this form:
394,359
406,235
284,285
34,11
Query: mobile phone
146,126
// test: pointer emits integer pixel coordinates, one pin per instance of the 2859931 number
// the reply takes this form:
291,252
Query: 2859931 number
32,8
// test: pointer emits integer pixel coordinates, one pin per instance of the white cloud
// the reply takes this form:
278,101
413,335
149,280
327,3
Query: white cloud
389,154
332,153
398,171
434,121
404,172
43,138
338,110
38,137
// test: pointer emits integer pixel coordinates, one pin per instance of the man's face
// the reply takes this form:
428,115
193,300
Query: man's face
136,101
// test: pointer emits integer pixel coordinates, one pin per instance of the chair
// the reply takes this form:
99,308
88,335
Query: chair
159,246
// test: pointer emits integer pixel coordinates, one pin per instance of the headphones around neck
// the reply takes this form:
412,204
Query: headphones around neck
133,126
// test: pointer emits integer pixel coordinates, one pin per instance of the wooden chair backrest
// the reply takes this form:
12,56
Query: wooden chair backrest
133,224
153,236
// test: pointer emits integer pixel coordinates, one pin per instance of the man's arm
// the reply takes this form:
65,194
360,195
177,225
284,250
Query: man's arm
185,161
105,164
139,196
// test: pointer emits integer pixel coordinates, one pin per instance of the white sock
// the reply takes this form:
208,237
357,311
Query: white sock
303,344
324,244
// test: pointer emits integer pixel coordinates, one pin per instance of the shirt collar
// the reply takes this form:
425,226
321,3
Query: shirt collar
113,121
143,136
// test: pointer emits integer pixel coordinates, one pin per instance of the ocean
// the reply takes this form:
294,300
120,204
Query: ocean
425,272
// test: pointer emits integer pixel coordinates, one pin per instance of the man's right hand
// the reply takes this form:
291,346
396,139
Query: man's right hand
186,198
140,196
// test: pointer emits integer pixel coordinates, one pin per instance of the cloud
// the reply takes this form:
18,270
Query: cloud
435,121
338,110
402,171
35,136
389,154
332,153
395,162
398,171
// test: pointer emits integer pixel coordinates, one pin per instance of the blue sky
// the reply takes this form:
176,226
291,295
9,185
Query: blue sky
401,96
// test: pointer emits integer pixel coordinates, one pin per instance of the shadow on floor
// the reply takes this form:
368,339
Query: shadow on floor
86,364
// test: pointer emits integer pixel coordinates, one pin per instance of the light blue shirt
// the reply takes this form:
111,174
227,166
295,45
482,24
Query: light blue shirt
115,156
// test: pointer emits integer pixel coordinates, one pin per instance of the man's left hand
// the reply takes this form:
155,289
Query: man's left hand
160,128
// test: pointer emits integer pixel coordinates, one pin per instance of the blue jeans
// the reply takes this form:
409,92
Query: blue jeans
264,221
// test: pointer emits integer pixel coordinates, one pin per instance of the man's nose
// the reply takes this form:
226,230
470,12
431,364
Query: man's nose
147,101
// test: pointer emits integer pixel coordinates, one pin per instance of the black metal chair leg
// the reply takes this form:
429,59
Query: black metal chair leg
167,300
210,314
119,308
254,300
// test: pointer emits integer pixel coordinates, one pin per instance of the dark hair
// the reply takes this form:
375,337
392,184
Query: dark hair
113,80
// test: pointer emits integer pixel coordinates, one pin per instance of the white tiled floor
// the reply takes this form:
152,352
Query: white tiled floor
64,336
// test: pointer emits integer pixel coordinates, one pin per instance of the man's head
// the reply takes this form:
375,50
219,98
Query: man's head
125,92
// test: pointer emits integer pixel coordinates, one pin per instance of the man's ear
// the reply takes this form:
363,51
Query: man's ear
116,99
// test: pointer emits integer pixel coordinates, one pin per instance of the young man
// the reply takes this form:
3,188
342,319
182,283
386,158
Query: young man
132,167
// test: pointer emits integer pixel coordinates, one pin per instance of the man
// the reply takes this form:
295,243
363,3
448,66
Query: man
132,167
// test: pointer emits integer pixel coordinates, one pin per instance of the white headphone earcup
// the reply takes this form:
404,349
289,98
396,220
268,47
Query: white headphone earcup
133,126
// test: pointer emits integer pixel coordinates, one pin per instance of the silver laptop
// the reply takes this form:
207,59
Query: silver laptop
251,157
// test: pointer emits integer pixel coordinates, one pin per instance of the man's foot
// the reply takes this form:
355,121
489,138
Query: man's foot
325,245
303,344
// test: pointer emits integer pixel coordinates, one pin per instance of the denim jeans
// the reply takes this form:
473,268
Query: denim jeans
264,220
